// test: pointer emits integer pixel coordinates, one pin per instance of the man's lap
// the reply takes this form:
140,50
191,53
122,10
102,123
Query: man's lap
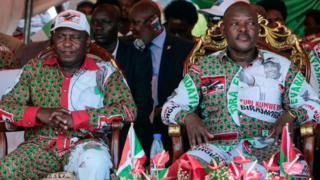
30,160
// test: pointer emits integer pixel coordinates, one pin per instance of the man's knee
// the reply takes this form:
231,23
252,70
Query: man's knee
95,159
90,160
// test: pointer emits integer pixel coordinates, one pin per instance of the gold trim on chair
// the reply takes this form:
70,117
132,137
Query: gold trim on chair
279,39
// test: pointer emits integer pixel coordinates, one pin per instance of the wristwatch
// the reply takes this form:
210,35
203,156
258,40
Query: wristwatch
291,113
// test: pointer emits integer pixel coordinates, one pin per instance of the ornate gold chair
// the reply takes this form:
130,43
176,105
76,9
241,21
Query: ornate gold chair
115,127
280,40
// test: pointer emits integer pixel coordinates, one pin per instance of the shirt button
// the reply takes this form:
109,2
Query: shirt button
64,91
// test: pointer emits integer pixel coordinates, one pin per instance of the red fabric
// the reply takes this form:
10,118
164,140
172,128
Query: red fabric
287,146
65,91
88,63
189,163
29,117
160,159
80,119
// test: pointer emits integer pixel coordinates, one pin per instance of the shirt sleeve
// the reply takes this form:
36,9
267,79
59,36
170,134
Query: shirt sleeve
118,105
15,105
184,99
300,98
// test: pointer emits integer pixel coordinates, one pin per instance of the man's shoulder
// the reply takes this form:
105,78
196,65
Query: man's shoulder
109,65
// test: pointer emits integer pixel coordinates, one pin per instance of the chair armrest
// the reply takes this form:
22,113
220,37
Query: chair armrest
308,133
116,126
174,132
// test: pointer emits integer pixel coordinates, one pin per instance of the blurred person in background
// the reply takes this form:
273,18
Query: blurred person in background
276,11
181,16
86,7
312,22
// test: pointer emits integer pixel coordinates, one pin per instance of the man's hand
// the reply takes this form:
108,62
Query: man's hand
63,116
55,117
286,117
197,131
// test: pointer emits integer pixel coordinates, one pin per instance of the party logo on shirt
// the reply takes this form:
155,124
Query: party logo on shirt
213,84
6,116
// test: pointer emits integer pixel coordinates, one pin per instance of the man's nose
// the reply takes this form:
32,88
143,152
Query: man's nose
242,27
67,42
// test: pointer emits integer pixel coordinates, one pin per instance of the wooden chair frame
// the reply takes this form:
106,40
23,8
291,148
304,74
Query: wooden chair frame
280,40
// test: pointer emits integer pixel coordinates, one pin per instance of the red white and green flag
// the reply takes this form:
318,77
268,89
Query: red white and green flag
287,150
132,152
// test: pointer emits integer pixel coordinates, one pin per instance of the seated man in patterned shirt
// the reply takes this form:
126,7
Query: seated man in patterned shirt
64,100
244,95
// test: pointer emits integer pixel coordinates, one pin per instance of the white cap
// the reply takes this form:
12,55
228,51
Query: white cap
72,19
220,7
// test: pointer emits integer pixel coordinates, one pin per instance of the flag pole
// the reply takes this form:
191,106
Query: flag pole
132,149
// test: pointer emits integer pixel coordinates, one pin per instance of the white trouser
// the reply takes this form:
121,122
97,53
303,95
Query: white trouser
90,161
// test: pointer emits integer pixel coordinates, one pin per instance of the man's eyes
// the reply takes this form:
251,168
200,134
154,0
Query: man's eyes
76,37
72,37
250,23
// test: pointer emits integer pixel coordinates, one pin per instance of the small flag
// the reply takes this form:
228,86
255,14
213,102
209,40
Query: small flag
287,151
132,152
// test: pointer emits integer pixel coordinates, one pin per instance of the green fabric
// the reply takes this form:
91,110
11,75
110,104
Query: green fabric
204,3
296,10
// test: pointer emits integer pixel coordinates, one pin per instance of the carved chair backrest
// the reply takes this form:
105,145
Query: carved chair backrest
279,39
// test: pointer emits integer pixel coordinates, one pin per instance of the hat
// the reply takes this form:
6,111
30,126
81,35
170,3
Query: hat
220,7
72,19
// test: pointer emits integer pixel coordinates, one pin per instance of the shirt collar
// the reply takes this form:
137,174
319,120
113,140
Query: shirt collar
89,63
114,53
224,55
159,40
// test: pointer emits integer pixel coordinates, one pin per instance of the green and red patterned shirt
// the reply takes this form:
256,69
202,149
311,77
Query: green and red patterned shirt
95,95
7,58
238,103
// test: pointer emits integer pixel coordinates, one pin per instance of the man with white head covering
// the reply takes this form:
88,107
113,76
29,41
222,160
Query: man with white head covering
64,99
216,12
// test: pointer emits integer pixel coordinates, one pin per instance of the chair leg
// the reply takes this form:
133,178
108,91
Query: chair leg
308,150
3,144
116,127
177,146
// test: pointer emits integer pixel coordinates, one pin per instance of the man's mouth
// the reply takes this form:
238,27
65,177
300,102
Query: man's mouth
68,54
243,37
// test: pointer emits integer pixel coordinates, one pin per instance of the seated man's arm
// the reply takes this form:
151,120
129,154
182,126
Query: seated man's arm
118,105
300,98
15,106
180,107
184,100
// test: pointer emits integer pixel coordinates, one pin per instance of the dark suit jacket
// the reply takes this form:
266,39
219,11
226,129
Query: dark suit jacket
175,51
174,54
137,69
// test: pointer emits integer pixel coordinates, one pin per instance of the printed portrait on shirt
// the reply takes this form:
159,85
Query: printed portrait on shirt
272,70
